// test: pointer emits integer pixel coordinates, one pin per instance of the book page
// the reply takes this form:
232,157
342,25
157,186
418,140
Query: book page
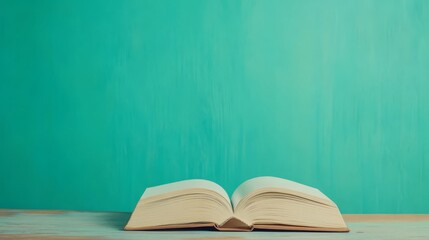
185,184
272,182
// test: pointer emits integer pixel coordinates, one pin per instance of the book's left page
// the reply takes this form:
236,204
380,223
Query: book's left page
184,185
183,204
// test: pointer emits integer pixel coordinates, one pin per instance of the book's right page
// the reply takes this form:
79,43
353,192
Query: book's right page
257,183
281,204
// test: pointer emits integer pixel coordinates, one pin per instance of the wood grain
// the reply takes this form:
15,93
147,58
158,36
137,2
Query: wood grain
74,225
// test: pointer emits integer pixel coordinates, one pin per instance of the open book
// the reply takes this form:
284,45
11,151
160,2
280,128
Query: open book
258,203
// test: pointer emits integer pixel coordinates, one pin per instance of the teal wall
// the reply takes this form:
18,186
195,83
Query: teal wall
101,99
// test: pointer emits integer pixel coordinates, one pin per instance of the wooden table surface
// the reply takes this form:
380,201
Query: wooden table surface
73,225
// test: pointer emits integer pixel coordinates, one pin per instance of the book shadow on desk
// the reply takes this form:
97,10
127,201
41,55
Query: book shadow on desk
213,229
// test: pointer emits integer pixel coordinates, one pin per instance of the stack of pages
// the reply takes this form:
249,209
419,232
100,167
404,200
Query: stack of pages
269,203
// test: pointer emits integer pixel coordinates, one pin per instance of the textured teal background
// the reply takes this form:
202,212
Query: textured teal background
101,99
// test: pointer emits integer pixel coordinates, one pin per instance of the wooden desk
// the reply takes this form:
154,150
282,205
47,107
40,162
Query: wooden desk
72,225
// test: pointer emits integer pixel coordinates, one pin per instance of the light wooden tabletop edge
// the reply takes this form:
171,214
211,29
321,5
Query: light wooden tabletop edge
347,217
